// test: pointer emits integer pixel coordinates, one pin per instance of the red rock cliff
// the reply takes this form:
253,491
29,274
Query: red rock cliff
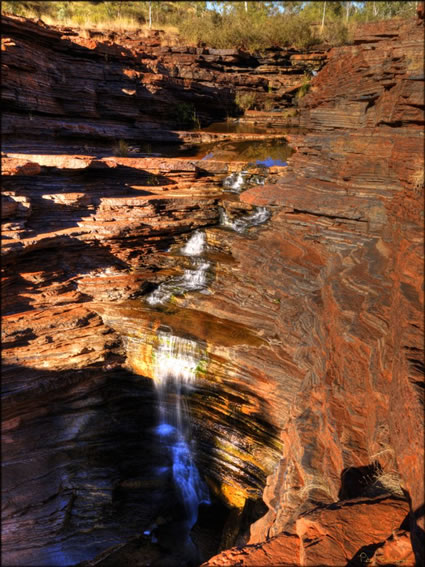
311,395
346,246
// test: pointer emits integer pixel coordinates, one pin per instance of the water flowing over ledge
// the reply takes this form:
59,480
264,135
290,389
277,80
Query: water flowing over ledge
176,363
192,279
259,216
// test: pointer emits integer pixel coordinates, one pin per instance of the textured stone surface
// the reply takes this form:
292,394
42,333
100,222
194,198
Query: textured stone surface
311,390
342,534
347,248
100,90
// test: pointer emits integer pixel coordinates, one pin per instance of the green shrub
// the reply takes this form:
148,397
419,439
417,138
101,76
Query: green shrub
185,115
153,180
335,33
146,148
245,100
254,29
289,112
304,88
290,30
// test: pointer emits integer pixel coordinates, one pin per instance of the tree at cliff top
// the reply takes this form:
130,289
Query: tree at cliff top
248,25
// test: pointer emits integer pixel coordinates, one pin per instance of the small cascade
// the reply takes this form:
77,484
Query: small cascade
192,279
197,278
195,246
176,363
259,216
239,180
235,181
176,357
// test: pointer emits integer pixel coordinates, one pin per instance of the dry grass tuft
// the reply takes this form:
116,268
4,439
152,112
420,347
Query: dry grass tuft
316,485
418,182
245,100
389,482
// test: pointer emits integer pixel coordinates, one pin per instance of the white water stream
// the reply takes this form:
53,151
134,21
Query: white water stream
192,279
175,368
239,180
195,246
235,181
259,216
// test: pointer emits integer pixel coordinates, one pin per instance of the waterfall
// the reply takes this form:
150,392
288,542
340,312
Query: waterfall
235,181
195,245
176,363
197,278
259,216
192,279
238,180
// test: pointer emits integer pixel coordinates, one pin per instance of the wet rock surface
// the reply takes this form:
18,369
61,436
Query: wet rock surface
307,413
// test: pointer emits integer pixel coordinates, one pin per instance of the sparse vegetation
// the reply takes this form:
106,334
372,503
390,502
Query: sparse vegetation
318,484
289,112
146,148
220,24
186,116
153,180
388,482
121,149
304,88
245,100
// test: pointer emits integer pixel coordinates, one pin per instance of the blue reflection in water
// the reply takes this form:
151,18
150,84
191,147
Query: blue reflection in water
269,162
209,156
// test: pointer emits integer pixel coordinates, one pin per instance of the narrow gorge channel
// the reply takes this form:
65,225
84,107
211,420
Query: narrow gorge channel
212,336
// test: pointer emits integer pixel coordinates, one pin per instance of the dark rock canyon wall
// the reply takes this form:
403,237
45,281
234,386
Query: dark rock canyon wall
57,84
311,335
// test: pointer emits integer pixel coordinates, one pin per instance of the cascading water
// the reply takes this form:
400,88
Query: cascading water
195,246
194,278
239,180
175,366
235,181
259,216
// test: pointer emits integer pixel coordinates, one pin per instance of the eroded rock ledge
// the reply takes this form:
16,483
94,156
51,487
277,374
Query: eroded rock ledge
312,395
96,90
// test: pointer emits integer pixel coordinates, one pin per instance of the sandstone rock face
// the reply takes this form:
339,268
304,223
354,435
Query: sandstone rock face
309,386
340,534
346,243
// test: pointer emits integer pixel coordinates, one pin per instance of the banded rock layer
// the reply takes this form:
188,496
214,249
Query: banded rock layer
309,397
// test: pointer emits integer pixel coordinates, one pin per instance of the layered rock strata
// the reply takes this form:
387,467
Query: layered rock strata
58,84
308,392
346,246
83,236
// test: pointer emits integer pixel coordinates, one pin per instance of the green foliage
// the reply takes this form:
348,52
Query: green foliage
28,9
251,25
202,366
185,115
247,31
153,180
289,112
146,148
245,100
304,88
373,11
335,33
291,30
